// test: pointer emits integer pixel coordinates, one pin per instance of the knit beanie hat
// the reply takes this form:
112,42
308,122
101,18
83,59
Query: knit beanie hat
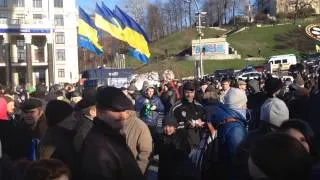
170,121
235,98
3,109
57,111
274,111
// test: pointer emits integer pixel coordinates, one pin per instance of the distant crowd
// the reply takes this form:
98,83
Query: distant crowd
203,129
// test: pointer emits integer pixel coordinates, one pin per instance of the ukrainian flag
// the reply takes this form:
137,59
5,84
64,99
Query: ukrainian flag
135,36
107,21
87,34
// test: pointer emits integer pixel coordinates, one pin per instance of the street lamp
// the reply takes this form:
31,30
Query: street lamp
199,14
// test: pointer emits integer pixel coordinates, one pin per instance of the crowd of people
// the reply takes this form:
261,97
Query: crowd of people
228,129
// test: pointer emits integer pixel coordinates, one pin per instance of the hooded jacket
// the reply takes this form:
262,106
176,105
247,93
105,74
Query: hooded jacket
230,135
142,102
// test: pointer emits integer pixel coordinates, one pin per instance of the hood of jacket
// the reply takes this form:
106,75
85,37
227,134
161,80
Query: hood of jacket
224,112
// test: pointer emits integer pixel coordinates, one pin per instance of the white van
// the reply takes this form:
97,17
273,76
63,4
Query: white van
282,62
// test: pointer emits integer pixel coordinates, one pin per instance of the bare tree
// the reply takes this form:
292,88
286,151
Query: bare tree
137,8
154,20
300,5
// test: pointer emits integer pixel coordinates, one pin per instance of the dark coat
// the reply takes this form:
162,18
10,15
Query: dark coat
242,154
297,105
173,156
21,137
57,144
105,155
184,112
82,130
312,116
168,99
254,104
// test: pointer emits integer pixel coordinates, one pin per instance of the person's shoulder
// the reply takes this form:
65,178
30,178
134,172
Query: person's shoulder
197,103
177,105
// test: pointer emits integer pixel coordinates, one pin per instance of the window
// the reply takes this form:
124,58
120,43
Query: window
20,50
37,16
3,3
277,61
20,43
60,37
58,3
284,61
18,3
39,54
3,16
61,73
37,3
58,20
19,19
61,55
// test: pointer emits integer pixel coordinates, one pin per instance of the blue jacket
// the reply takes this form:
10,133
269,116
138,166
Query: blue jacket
230,135
152,119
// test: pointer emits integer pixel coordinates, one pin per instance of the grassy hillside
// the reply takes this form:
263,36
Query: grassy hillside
179,41
271,41
249,41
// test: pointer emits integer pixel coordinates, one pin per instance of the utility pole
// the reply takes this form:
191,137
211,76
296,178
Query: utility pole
233,9
190,21
200,38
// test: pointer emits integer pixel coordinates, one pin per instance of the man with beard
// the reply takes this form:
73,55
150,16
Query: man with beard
105,154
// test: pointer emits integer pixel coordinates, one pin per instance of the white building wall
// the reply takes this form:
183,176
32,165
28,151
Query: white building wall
69,12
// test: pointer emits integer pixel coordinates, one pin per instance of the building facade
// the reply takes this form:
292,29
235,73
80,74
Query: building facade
38,42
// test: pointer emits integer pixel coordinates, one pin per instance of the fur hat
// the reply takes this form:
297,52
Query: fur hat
113,98
272,85
57,111
189,86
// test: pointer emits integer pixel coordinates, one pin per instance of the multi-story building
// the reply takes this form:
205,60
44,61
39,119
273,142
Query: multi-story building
273,7
38,40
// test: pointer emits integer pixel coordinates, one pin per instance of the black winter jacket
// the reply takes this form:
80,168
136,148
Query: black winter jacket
105,155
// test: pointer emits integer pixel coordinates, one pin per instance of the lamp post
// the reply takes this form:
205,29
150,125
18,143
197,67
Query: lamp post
199,14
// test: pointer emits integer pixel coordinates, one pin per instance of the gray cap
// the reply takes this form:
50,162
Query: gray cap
235,98
274,111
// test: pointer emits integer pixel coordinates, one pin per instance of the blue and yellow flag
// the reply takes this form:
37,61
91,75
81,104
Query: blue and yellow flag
107,21
87,33
135,36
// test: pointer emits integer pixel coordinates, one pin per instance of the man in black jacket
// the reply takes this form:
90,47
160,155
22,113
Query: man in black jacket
105,154
189,114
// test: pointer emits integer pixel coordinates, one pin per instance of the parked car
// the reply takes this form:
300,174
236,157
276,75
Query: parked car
249,75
